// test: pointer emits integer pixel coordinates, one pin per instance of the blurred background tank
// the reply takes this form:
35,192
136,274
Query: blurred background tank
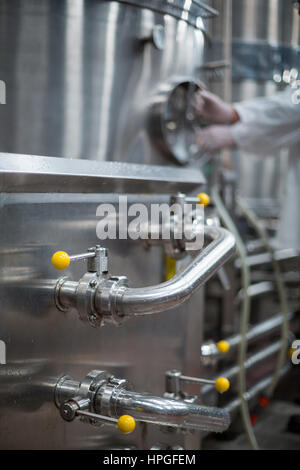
266,56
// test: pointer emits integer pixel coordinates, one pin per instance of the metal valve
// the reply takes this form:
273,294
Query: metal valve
81,294
212,349
97,259
184,221
102,398
174,378
73,408
201,198
101,298
79,399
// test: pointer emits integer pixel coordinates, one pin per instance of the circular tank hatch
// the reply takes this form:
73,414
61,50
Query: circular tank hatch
173,123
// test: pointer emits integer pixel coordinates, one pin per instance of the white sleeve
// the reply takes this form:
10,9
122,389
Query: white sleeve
267,124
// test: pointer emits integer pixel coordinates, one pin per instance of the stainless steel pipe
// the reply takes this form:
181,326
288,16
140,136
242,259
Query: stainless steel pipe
259,330
252,361
165,411
285,255
255,390
112,397
170,294
112,299
254,333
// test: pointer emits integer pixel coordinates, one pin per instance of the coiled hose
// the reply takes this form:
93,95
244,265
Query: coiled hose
261,231
245,313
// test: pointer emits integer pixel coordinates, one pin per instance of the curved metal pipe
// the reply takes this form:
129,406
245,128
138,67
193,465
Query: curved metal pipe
170,294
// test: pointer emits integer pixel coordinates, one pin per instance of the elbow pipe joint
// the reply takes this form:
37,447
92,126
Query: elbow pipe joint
102,298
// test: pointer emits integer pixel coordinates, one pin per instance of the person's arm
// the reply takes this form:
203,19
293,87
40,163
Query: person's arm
262,125
267,124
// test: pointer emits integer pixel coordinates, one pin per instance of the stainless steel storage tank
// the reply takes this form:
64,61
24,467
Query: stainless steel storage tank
81,79
81,75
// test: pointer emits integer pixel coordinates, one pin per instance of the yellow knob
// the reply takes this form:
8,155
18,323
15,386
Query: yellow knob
291,351
170,268
223,347
60,260
203,199
126,424
222,384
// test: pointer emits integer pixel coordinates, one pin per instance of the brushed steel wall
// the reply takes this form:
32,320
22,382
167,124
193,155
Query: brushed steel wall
80,79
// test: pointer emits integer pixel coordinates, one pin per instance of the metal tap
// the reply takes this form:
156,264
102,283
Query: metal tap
174,380
82,294
101,298
102,398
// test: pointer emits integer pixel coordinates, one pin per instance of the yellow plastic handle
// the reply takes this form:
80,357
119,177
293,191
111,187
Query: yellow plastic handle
222,384
60,260
203,199
291,351
223,346
126,424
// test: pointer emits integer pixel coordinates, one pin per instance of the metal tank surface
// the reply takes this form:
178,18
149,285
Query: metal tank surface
78,129
81,75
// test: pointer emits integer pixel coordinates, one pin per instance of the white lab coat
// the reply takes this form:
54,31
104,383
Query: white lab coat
268,124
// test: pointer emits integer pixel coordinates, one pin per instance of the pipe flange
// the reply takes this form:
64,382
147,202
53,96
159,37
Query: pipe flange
106,299
60,282
85,299
58,386
106,398
91,384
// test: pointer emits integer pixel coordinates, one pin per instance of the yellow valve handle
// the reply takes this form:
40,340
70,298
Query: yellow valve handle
60,260
203,199
223,346
170,268
126,424
291,352
222,384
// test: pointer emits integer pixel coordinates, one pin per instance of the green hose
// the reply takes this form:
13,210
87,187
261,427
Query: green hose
245,313
260,229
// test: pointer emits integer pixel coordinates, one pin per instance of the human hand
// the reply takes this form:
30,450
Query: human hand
214,138
211,108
